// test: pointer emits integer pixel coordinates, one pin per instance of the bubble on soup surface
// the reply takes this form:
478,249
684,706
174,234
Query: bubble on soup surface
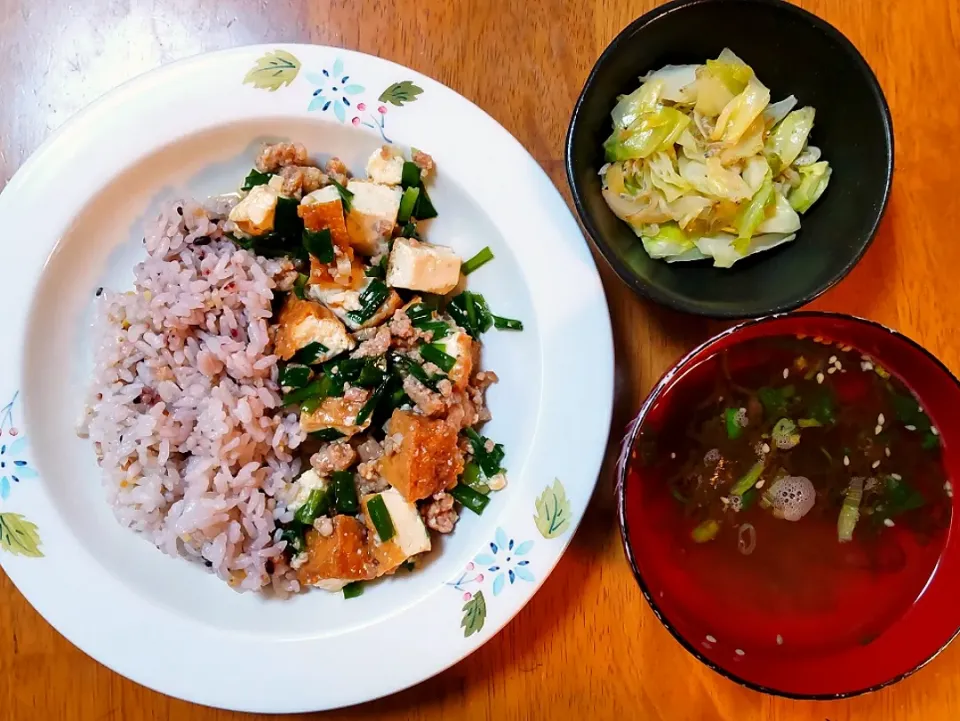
792,497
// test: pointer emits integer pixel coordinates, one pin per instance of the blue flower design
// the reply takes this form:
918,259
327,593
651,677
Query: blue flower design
505,560
333,91
13,468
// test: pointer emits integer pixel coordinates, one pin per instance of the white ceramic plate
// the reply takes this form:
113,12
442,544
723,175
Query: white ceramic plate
72,220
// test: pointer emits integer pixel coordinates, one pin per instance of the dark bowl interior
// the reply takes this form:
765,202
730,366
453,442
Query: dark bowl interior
792,52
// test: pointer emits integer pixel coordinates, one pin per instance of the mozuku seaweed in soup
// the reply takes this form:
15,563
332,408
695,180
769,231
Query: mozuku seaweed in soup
802,490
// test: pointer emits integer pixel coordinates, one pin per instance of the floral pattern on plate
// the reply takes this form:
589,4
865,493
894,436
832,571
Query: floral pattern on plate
502,561
335,90
17,535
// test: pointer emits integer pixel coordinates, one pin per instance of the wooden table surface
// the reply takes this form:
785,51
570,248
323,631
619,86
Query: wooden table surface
587,645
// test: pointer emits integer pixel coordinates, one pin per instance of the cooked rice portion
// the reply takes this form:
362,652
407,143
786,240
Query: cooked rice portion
185,413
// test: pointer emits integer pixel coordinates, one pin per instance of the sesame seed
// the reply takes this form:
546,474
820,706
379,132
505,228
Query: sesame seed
760,483
911,428
673,455
819,377
880,419
867,366
832,359
887,451
947,486
846,348
711,639
888,522
896,476
786,373
779,640
875,464
738,651
934,431
846,461
878,430
832,369
766,447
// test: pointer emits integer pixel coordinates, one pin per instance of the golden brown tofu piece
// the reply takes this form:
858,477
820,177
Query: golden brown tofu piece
302,322
427,459
343,555
460,346
338,413
410,536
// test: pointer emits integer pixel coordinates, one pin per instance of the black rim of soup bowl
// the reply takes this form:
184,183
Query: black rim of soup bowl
651,291
623,463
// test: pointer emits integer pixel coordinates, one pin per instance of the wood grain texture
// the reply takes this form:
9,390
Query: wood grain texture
587,645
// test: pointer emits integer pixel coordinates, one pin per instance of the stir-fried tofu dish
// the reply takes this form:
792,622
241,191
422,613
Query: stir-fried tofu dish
293,392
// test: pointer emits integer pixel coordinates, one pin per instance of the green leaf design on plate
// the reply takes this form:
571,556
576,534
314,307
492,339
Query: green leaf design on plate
553,511
19,536
273,71
474,614
399,93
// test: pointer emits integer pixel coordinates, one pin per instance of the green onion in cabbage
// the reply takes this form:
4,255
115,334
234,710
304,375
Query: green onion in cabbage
850,511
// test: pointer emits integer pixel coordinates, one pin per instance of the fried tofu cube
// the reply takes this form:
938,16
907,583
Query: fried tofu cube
410,534
323,210
342,556
255,213
345,301
422,266
385,166
337,413
373,213
459,345
427,459
302,322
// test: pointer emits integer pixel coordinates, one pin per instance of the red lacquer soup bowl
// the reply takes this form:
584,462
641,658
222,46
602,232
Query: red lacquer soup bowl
850,617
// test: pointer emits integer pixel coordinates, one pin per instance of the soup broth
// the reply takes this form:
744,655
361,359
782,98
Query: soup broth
800,487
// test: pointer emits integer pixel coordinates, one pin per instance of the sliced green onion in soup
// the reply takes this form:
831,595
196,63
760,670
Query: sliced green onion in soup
850,510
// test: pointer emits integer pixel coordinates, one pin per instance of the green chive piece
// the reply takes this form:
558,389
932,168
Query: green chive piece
288,225
317,504
345,492
310,354
420,312
490,462
313,389
255,178
293,534
748,480
410,231
477,261
732,422
319,244
424,209
300,286
410,177
371,405
380,517
432,353
295,376
326,434
476,502
346,196
439,328
353,590
407,203
501,323
370,299
472,478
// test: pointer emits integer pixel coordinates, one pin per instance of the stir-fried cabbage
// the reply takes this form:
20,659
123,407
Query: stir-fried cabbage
702,165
